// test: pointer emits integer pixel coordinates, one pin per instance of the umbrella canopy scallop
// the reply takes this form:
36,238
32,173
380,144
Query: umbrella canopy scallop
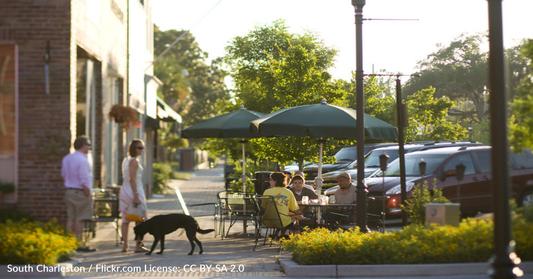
230,125
321,121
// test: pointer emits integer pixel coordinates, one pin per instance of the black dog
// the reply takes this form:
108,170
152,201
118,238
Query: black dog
160,225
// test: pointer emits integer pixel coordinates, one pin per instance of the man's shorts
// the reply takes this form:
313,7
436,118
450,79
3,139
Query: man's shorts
79,206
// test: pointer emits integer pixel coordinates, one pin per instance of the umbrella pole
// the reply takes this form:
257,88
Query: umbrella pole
243,141
244,225
318,179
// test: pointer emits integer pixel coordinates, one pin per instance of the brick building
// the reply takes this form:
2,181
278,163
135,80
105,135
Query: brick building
63,64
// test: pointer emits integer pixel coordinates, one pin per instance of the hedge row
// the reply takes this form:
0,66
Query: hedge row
470,242
25,242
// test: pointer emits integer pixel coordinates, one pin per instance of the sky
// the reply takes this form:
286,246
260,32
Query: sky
392,45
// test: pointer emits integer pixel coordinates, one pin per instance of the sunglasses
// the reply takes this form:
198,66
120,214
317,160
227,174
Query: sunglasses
140,147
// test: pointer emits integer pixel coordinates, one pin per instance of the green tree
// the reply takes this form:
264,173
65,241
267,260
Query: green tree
190,86
379,100
427,118
459,72
274,69
521,126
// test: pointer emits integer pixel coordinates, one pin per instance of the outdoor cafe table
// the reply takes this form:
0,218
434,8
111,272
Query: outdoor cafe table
316,207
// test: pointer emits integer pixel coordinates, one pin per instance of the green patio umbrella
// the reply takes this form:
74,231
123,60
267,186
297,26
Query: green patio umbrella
229,125
321,121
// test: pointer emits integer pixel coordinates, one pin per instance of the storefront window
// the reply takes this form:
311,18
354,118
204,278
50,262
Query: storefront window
8,80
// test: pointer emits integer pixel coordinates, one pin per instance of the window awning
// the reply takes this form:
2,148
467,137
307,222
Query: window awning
166,113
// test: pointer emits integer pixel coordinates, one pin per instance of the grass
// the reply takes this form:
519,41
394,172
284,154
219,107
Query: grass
181,176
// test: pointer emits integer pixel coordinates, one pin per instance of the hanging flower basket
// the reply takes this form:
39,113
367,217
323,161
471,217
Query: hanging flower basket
124,116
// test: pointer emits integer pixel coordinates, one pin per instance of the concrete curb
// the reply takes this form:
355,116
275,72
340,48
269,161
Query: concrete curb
37,270
292,269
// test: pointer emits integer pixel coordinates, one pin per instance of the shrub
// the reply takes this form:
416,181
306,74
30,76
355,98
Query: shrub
416,206
236,186
522,228
162,176
415,244
27,242
14,215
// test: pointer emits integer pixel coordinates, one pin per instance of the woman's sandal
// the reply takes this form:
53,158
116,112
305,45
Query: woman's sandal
141,250
125,250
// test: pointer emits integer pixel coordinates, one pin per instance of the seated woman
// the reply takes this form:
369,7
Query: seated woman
285,203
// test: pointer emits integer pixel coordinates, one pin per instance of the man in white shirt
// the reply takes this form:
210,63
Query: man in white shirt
344,195
346,192
77,174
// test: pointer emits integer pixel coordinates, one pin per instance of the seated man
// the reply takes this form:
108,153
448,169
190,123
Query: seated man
299,191
305,185
344,195
346,192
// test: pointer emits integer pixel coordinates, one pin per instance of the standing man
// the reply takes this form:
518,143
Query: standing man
76,172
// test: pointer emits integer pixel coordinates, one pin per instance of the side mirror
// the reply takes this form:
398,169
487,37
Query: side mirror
460,171
383,161
449,173
422,167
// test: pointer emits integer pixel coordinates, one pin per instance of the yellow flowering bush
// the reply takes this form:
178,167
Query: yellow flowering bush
415,244
26,242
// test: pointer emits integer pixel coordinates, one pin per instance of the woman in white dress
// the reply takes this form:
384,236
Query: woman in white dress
132,191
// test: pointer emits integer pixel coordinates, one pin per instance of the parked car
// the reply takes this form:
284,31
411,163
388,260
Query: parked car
474,192
344,157
372,160
294,167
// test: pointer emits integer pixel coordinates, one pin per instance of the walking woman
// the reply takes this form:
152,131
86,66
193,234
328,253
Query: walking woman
132,191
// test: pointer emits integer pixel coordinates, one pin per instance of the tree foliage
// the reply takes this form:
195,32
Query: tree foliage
457,71
274,69
427,118
521,127
190,86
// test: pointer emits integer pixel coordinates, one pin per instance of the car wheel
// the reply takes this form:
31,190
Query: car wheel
527,198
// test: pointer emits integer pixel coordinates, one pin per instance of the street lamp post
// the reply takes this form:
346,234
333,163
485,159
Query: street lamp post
401,150
361,188
504,260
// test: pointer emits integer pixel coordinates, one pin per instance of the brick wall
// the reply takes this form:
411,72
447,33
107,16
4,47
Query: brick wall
47,122
43,119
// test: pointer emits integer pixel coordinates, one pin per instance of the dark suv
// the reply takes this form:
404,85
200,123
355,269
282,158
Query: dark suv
372,160
474,192
344,157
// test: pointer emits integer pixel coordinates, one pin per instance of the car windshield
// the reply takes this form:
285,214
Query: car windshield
349,154
346,154
372,158
412,164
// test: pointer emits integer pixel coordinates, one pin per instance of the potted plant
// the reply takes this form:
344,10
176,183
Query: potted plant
124,116
6,188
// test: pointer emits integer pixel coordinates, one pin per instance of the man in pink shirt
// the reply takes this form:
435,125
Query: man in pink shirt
77,173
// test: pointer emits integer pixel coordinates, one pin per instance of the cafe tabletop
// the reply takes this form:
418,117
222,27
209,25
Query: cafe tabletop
328,205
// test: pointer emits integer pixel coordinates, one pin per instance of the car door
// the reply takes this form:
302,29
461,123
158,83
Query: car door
462,191
483,192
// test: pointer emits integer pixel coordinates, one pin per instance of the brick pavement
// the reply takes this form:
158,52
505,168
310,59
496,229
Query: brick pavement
233,255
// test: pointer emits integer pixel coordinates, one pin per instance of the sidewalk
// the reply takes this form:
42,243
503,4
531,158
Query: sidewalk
231,256
228,258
